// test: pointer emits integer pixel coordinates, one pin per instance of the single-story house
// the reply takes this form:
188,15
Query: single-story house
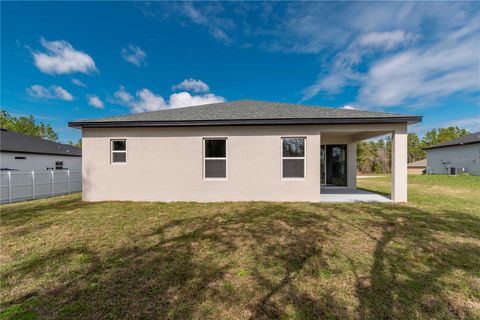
461,155
417,167
234,151
21,152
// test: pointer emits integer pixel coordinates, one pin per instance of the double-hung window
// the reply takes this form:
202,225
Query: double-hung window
119,151
215,158
293,158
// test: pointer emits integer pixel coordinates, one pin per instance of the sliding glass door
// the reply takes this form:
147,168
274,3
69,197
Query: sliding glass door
333,165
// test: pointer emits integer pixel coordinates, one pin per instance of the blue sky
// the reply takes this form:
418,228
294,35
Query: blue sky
63,61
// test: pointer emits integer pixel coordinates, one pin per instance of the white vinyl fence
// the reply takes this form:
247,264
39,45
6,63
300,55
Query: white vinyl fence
18,186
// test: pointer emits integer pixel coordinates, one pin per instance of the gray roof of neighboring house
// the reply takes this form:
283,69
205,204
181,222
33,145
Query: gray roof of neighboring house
18,142
246,112
468,139
418,164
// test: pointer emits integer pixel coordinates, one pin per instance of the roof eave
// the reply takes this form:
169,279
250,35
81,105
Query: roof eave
43,153
451,145
243,122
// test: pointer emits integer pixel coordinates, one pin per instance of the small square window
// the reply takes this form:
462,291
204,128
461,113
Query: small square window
215,148
293,147
215,168
119,145
58,165
119,151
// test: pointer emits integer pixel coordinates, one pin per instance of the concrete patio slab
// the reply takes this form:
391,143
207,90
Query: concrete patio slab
350,195
370,177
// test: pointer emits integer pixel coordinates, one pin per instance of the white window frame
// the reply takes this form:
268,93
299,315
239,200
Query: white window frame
304,158
205,159
118,151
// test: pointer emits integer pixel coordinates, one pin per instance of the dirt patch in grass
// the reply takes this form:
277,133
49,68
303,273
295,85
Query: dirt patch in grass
64,258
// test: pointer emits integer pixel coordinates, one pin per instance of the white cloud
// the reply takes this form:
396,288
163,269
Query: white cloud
122,96
61,93
348,107
52,92
386,40
38,91
331,83
208,15
78,82
95,101
342,71
423,75
205,14
61,58
355,43
192,85
146,100
134,55
400,67
185,99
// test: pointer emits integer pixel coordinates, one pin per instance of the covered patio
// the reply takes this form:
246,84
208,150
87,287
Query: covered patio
338,163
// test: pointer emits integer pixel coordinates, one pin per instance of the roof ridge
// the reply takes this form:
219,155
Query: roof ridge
248,111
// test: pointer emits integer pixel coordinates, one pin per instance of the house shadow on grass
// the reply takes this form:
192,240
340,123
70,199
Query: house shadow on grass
264,261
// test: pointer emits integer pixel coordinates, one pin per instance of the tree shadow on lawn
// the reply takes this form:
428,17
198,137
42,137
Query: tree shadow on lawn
189,267
179,268
413,264
22,213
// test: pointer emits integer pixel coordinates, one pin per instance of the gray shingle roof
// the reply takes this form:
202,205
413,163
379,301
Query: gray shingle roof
420,163
468,139
246,112
19,142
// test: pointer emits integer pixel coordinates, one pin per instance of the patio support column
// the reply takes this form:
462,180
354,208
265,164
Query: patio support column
352,165
399,164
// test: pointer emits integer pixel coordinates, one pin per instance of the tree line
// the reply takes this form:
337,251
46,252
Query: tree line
372,156
28,125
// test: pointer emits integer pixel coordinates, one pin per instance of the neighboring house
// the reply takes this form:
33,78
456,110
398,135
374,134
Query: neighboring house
417,167
455,156
21,152
234,151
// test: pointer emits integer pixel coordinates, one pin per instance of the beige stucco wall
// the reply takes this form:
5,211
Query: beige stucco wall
165,164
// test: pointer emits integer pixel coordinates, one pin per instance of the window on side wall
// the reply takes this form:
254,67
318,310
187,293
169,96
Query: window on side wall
118,151
293,158
215,158
58,165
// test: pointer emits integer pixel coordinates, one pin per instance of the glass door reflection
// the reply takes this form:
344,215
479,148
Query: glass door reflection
333,164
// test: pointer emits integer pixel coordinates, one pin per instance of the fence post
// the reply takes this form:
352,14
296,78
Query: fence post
68,181
33,184
53,184
9,187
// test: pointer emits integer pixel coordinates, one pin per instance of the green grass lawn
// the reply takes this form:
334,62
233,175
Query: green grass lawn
64,258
